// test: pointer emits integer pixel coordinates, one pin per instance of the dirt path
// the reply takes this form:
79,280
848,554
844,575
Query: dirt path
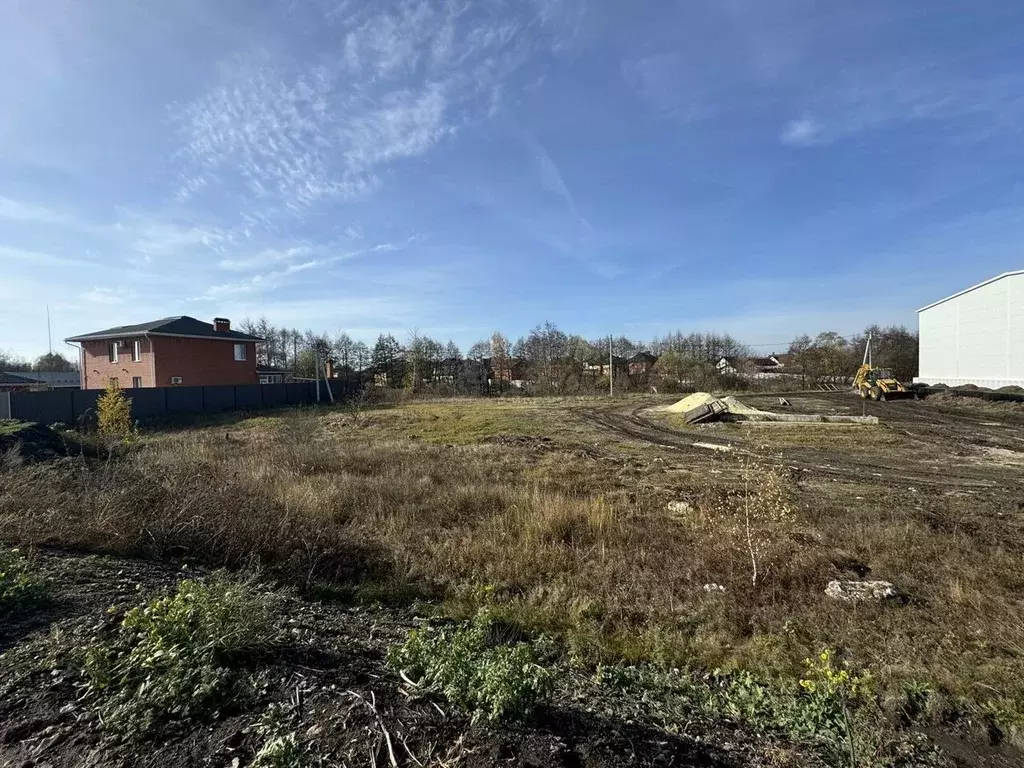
934,440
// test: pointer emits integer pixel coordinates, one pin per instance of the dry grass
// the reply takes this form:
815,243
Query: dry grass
562,538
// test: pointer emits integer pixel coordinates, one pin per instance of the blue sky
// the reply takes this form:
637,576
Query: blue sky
759,168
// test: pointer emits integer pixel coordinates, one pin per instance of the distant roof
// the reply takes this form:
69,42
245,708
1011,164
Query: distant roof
53,378
13,378
973,287
643,356
271,369
168,326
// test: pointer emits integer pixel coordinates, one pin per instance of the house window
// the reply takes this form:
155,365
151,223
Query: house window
240,352
136,351
136,380
113,352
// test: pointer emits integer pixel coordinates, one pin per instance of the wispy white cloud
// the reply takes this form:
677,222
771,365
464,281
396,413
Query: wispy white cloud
101,295
672,86
264,258
37,258
17,211
800,132
863,100
284,264
296,131
552,180
155,238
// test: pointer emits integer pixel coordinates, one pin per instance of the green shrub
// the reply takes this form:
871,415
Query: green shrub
281,747
176,657
19,583
282,751
114,413
831,711
488,681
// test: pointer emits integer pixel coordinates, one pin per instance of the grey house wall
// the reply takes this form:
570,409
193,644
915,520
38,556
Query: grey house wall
73,407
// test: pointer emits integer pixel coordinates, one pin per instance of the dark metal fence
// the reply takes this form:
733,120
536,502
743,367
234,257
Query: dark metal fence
77,406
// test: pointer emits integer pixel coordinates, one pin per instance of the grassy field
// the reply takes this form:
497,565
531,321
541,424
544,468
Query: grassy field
622,549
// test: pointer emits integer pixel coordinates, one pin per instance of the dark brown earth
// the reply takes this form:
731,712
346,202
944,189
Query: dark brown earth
346,703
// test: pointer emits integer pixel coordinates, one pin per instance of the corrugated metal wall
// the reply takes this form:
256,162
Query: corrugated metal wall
72,407
976,338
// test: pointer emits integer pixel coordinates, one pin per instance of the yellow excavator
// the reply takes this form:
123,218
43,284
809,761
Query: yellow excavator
877,383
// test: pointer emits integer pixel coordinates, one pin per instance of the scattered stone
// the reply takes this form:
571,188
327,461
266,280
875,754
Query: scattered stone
713,447
680,507
860,591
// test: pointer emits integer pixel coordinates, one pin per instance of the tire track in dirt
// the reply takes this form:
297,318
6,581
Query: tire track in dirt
632,425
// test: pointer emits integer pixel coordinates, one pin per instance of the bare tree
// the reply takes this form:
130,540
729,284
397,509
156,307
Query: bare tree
342,350
53,362
361,356
387,360
11,362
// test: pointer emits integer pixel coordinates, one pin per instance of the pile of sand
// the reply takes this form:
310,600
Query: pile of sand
690,402
702,406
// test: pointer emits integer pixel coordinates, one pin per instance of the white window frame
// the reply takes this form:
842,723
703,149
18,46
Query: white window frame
137,351
112,351
240,353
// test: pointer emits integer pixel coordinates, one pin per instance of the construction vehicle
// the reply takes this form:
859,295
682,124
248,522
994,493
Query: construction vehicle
877,383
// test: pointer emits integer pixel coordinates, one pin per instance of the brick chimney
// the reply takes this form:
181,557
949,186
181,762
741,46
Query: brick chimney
221,324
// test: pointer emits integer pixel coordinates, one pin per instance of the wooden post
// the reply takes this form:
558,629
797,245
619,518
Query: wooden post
316,366
611,369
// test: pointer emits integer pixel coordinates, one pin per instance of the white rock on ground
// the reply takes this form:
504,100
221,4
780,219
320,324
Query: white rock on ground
860,591
680,507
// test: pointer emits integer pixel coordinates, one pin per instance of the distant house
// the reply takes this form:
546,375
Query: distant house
512,373
729,366
15,381
754,367
169,352
768,367
641,363
269,374
600,368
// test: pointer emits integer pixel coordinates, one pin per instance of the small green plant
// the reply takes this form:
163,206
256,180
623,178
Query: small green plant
489,681
281,752
831,710
176,657
19,583
281,747
114,413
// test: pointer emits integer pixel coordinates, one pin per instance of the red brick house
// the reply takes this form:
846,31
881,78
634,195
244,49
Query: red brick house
175,351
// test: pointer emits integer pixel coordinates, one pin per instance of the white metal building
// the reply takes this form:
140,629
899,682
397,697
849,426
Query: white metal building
975,336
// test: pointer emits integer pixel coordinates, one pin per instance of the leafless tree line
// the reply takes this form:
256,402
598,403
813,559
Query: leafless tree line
550,360
51,362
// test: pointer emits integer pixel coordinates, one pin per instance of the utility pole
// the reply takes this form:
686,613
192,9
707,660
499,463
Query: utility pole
611,369
49,343
327,382
316,365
